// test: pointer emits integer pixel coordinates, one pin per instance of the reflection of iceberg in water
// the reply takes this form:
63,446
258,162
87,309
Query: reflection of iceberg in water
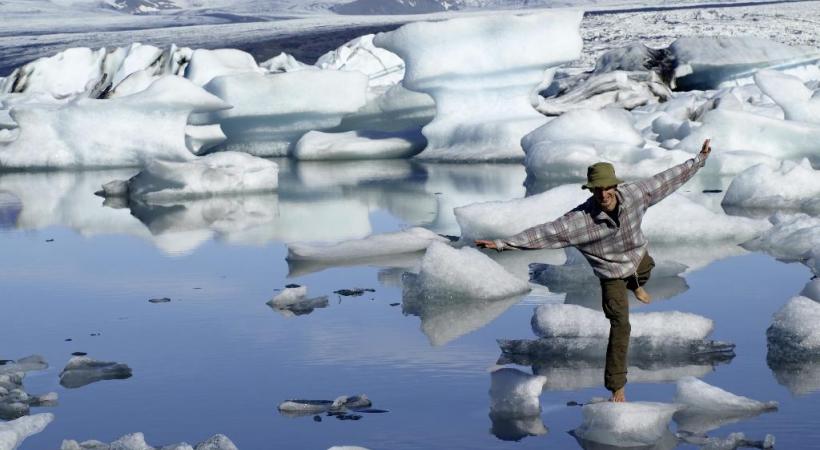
10,208
636,425
668,441
799,377
708,407
576,279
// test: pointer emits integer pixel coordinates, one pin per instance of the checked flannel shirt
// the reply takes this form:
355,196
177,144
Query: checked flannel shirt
613,250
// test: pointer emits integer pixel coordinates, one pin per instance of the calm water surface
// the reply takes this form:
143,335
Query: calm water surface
218,360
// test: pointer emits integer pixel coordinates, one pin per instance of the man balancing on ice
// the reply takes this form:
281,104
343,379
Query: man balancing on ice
607,230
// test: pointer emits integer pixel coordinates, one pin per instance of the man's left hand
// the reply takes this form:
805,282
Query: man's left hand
706,149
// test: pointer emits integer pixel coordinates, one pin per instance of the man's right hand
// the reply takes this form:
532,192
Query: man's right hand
483,243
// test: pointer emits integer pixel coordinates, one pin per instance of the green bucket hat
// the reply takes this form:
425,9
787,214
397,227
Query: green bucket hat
600,175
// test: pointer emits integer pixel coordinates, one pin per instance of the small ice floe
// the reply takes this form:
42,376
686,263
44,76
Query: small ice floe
483,99
359,144
297,408
515,408
792,237
292,301
411,240
136,441
731,442
632,424
794,334
13,433
221,173
791,94
27,364
15,402
707,407
82,370
790,186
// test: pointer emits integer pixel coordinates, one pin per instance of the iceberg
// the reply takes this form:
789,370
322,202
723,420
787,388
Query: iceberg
707,407
616,89
292,301
482,89
205,65
632,424
13,433
793,334
515,408
412,240
272,111
82,370
391,109
383,68
791,237
222,173
790,93
316,145
296,408
15,402
136,441
789,186
119,132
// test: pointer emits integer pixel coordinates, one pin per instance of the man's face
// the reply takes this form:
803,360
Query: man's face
606,197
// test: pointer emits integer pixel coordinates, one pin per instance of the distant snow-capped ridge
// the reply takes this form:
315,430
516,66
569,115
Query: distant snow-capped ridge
397,6
141,6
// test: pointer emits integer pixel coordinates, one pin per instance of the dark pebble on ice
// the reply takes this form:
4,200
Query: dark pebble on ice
79,354
159,300
712,191
292,285
355,292
371,411
572,403
317,418
68,340
395,304
197,288
49,240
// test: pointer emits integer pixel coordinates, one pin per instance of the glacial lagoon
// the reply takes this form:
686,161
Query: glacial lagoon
217,359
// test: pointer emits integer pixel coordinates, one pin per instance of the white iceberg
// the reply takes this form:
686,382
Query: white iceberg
793,334
789,186
15,402
465,273
316,145
411,240
205,65
83,370
790,93
119,132
792,237
514,393
630,424
136,441
383,68
272,111
222,173
391,109
706,407
481,72
13,433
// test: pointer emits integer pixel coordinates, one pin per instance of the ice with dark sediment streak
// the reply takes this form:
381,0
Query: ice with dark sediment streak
792,237
633,424
83,370
515,407
411,240
616,89
301,407
15,401
13,433
293,301
136,441
708,407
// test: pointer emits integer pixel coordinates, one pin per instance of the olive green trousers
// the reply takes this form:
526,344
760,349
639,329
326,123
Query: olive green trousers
616,308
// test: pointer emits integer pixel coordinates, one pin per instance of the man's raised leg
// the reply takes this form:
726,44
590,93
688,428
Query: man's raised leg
616,308
635,282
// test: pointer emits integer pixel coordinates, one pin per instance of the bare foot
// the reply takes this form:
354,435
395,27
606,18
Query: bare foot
618,396
642,295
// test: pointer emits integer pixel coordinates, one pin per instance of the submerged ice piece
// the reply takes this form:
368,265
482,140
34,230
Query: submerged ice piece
119,132
15,402
136,441
82,370
632,424
13,433
790,186
27,364
481,72
222,173
707,407
291,301
515,408
298,408
272,111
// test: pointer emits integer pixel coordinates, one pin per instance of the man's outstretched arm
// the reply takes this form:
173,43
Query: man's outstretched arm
658,187
559,233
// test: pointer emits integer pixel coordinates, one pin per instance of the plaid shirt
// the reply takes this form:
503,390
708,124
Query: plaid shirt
613,249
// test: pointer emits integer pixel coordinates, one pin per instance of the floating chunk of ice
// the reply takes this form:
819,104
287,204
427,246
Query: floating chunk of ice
272,111
205,65
481,87
13,433
411,240
789,186
222,173
731,442
791,94
631,424
792,237
310,407
383,68
136,441
316,145
292,301
611,125
514,393
27,364
618,89
118,132
15,402
468,273
285,62
82,370
708,407
794,334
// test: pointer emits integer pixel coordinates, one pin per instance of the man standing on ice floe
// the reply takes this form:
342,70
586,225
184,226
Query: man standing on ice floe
607,230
